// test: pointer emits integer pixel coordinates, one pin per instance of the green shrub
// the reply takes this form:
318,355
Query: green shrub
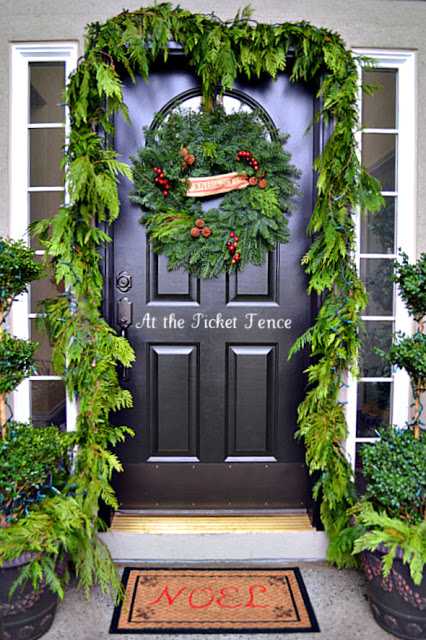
409,353
395,470
17,269
16,361
411,281
393,510
33,465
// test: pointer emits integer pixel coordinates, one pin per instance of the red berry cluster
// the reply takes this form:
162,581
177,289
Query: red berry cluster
161,181
251,160
233,247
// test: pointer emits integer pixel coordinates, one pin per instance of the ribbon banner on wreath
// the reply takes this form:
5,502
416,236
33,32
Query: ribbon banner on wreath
192,155
213,185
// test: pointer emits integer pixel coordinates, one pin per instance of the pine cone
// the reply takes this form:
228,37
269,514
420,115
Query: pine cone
262,183
261,174
195,232
206,232
253,181
199,223
189,159
183,151
183,165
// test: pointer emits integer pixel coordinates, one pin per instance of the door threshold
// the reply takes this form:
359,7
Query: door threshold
212,523
209,512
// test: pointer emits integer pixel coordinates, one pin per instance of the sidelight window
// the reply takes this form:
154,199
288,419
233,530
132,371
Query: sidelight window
387,142
38,127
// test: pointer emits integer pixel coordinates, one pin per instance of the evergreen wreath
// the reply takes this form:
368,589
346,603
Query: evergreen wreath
250,220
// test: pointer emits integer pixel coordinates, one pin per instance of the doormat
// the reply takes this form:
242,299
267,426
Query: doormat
213,601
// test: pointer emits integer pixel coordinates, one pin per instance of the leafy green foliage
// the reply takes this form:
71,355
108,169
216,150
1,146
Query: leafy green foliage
32,465
218,52
42,511
255,215
16,361
395,470
17,269
394,507
409,353
60,527
411,280
380,528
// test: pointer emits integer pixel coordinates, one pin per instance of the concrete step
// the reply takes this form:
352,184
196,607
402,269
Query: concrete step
288,537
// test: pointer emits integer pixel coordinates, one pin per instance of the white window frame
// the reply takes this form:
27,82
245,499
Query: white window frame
406,183
21,55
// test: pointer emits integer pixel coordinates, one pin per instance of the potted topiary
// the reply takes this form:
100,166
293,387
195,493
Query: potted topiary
390,519
17,269
33,466
33,463
45,517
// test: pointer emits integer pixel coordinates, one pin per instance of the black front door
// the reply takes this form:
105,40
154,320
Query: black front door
214,397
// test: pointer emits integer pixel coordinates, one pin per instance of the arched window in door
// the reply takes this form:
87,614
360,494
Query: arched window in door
231,101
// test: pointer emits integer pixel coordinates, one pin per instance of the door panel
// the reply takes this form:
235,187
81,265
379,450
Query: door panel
169,287
255,285
252,389
174,407
215,399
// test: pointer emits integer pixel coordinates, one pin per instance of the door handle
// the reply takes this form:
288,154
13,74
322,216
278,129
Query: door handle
124,320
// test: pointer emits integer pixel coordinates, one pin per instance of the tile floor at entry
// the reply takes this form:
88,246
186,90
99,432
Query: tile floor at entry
338,598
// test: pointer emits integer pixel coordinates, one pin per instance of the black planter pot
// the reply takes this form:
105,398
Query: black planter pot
398,605
29,614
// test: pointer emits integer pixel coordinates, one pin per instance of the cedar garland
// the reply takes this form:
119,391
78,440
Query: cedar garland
87,350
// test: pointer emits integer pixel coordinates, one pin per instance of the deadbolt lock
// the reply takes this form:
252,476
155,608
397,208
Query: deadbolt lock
123,281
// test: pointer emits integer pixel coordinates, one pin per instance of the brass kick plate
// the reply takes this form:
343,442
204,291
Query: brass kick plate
210,524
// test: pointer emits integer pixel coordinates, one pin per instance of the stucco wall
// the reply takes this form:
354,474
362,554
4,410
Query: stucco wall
391,24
